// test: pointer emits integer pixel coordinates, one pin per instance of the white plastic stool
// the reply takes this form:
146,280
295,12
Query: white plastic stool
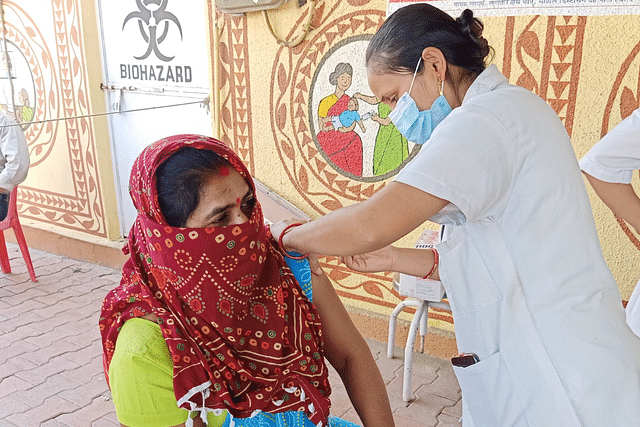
419,318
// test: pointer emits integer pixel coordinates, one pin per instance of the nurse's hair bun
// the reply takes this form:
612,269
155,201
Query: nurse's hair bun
472,28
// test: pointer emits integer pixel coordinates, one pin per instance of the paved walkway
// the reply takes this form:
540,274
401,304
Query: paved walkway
51,355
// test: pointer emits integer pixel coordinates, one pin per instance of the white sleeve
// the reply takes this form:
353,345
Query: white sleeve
15,152
469,161
617,155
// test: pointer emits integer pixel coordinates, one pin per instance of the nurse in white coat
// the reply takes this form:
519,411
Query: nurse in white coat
529,289
609,166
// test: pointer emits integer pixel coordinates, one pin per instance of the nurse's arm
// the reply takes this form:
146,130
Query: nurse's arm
620,198
391,213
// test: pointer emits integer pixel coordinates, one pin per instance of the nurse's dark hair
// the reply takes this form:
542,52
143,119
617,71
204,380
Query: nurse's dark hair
179,180
398,44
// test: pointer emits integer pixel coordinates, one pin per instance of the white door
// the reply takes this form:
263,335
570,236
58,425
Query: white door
155,58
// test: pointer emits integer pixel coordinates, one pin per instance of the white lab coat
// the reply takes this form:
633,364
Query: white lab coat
529,290
614,159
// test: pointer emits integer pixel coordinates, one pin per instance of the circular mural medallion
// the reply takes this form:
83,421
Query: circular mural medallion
331,158
350,127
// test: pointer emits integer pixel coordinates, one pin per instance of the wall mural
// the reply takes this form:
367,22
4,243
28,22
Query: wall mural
550,67
334,141
50,83
350,128
336,164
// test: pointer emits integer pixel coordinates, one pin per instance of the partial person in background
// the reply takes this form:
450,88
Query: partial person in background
14,160
609,167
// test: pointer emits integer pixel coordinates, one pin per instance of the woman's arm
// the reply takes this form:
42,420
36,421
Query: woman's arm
350,355
620,198
391,213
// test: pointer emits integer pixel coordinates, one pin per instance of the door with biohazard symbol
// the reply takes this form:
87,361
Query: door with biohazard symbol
155,79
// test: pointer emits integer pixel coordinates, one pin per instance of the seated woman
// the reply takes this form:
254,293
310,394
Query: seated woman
209,324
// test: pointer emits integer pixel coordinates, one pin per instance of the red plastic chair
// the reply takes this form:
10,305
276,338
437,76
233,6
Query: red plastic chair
12,221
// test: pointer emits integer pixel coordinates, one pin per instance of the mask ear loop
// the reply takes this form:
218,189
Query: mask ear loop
414,75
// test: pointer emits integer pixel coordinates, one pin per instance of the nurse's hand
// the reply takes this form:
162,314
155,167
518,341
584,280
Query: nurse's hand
276,232
372,262
278,227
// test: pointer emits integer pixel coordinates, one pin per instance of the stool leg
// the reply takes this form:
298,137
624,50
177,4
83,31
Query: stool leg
392,325
4,256
22,243
423,326
408,351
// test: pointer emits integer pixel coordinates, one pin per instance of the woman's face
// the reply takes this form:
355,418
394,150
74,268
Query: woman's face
344,81
389,87
225,199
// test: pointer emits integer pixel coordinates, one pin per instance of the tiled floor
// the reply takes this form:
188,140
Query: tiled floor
51,355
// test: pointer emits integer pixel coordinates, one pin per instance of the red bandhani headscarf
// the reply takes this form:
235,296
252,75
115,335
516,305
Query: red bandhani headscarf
240,332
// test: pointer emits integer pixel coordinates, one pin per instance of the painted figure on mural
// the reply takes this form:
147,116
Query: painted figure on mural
391,148
344,148
347,120
25,111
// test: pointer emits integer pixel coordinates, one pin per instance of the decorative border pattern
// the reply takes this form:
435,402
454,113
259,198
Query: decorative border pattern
549,68
235,108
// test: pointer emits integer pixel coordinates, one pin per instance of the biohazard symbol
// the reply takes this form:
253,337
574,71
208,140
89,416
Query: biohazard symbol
150,15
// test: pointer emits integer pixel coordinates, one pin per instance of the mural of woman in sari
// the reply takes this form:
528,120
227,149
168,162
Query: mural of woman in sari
344,149
391,147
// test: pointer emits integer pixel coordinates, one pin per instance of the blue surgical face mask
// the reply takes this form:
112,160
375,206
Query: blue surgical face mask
416,125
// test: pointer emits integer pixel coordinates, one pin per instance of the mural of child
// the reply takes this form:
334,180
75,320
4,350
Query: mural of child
346,121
